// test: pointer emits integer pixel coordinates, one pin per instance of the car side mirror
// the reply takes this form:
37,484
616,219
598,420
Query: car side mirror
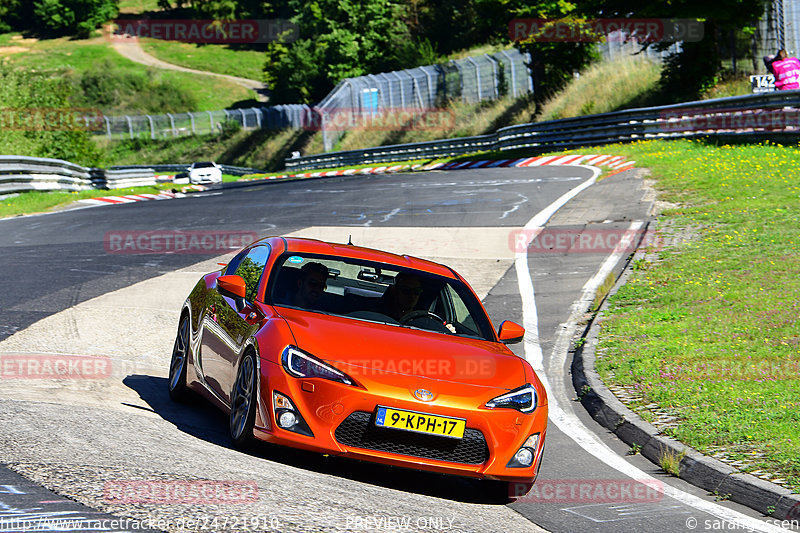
510,332
232,286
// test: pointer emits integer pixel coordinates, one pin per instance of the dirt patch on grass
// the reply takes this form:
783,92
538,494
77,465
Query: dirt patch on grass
8,50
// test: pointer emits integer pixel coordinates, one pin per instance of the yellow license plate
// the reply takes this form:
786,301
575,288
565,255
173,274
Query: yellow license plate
420,422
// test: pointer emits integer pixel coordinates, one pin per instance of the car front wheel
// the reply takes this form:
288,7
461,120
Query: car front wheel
243,403
177,367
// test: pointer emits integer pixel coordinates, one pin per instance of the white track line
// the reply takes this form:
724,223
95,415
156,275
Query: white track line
566,420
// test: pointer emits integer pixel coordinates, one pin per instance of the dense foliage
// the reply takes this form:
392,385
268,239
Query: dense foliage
56,17
115,91
694,70
35,119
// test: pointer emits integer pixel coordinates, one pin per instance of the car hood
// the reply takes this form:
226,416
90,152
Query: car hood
369,351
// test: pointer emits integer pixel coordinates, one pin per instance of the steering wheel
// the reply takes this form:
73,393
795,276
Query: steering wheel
420,313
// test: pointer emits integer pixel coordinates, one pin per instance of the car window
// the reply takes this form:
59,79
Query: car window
204,164
250,268
458,311
377,292
234,263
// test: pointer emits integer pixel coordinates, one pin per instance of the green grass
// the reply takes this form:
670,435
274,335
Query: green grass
40,202
459,120
219,58
138,6
708,329
265,149
603,87
67,55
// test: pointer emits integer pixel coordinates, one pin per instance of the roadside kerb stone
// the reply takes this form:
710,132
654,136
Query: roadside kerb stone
700,470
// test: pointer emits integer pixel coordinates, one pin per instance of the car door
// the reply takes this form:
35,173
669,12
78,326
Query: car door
226,328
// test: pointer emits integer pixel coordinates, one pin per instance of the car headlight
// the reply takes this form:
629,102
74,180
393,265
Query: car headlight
522,399
303,365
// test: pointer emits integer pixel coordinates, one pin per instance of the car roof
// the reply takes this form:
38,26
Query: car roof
314,246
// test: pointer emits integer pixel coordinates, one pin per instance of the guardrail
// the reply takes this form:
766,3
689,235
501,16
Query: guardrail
226,169
765,115
21,174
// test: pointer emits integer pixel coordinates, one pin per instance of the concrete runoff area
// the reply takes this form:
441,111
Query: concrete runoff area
139,434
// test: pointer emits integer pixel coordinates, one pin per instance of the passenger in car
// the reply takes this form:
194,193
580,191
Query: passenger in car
311,286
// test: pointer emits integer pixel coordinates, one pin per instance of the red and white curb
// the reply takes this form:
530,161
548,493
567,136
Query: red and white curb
355,171
609,161
110,200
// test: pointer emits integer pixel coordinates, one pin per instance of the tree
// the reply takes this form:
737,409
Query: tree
552,64
36,119
72,17
690,72
459,24
336,39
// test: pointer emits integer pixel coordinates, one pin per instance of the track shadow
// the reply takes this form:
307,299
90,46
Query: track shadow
203,421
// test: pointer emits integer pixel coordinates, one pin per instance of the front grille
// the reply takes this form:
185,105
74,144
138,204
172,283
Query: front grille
359,431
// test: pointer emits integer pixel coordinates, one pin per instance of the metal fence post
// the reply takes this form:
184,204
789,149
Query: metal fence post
257,113
108,126
152,127
172,124
211,118
244,119
494,72
513,73
431,93
477,76
402,93
417,91
327,144
191,118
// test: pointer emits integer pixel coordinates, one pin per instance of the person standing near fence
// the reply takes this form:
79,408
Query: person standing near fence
787,71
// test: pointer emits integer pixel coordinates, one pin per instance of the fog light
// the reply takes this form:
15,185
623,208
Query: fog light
287,416
287,419
524,456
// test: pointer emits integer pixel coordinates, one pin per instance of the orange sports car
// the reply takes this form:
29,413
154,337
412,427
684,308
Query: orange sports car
355,352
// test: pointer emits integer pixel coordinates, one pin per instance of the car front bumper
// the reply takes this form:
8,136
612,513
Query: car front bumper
341,419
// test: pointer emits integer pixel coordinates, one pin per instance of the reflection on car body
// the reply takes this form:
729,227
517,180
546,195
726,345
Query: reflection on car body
361,353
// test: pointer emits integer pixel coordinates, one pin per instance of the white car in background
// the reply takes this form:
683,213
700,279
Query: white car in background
205,172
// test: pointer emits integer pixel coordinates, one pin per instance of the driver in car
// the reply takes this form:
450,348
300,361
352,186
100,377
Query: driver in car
402,297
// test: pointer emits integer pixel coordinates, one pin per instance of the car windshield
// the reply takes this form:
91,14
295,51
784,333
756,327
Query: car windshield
378,292
205,164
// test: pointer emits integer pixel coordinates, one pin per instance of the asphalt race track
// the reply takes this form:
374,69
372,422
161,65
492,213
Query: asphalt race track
68,291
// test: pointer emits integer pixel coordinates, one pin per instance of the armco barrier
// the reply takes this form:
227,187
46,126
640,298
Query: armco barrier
20,174
768,115
226,169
